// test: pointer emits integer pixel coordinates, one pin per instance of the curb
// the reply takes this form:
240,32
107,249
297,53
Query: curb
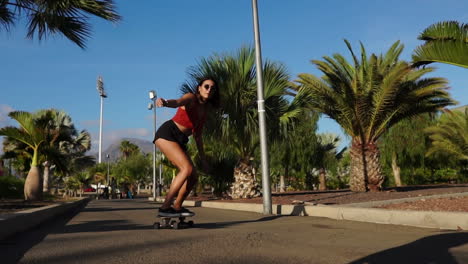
13,223
402,200
425,219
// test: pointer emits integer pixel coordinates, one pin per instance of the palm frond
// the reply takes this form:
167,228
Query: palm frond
450,135
450,52
446,30
445,42
17,134
69,18
6,16
377,92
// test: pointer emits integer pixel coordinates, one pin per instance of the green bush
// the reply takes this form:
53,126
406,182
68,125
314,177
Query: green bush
446,175
335,183
11,187
416,176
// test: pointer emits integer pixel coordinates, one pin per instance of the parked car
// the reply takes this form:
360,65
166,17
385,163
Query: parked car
89,189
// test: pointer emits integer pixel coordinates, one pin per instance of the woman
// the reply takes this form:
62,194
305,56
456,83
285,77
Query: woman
172,137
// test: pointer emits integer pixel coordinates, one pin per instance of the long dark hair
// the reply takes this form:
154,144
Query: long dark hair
214,100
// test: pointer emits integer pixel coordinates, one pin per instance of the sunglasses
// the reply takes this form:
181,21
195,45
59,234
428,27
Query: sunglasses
208,87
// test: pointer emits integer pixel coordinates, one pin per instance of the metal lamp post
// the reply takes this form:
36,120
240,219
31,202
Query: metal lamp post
152,106
109,196
102,94
160,183
108,156
267,208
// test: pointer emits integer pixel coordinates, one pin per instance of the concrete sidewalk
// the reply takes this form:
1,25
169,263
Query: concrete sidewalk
13,223
362,212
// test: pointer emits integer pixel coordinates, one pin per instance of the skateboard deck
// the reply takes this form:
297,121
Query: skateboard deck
167,222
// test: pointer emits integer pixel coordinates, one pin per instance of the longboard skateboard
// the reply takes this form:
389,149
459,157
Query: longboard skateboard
166,222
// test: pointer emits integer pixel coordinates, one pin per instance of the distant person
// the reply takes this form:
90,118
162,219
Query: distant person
106,193
113,188
172,137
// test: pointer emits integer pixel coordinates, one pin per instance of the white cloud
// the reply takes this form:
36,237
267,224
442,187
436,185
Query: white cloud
4,118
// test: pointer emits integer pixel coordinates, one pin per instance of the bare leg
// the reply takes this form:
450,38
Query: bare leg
185,190
179,158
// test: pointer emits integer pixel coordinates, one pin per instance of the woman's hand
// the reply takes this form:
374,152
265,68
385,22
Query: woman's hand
160,102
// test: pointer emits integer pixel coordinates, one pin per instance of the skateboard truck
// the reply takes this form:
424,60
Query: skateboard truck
168,223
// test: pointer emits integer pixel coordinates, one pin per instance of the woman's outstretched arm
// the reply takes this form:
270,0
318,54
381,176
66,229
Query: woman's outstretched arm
174,103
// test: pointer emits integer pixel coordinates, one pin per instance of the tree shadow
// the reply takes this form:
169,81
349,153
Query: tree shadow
13,248
329,197
101,226
217,225
108,209
432,249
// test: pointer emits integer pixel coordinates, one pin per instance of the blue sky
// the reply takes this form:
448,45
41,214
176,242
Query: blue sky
155,43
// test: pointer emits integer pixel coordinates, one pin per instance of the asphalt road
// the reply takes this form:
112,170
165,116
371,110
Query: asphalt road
121,231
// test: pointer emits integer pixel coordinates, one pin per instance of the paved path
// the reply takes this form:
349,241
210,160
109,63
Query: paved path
120,231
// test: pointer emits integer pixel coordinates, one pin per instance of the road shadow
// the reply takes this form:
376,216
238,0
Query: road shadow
13,248
101,226
218,225
432,249
108,209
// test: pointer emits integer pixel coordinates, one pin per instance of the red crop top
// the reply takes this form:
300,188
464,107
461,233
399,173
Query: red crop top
190,119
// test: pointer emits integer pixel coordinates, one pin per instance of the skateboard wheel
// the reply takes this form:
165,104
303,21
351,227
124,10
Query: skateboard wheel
190,223
157,225
176,226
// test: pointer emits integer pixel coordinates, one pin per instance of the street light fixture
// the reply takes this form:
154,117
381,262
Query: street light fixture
102,95
152,106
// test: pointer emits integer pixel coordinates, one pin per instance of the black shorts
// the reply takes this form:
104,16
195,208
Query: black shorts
169,131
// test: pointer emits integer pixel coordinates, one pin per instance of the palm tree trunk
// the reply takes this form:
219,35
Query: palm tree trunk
33,185
282,179
244,182
282,185
322,180
366,172
374,172
45,184
396,170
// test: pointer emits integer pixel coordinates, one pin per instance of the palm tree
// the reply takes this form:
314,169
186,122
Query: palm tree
368,98
445,42
59,130
32,132
18,154
236,123
325,154
70,143
47,17
78,181
450,135
128,148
